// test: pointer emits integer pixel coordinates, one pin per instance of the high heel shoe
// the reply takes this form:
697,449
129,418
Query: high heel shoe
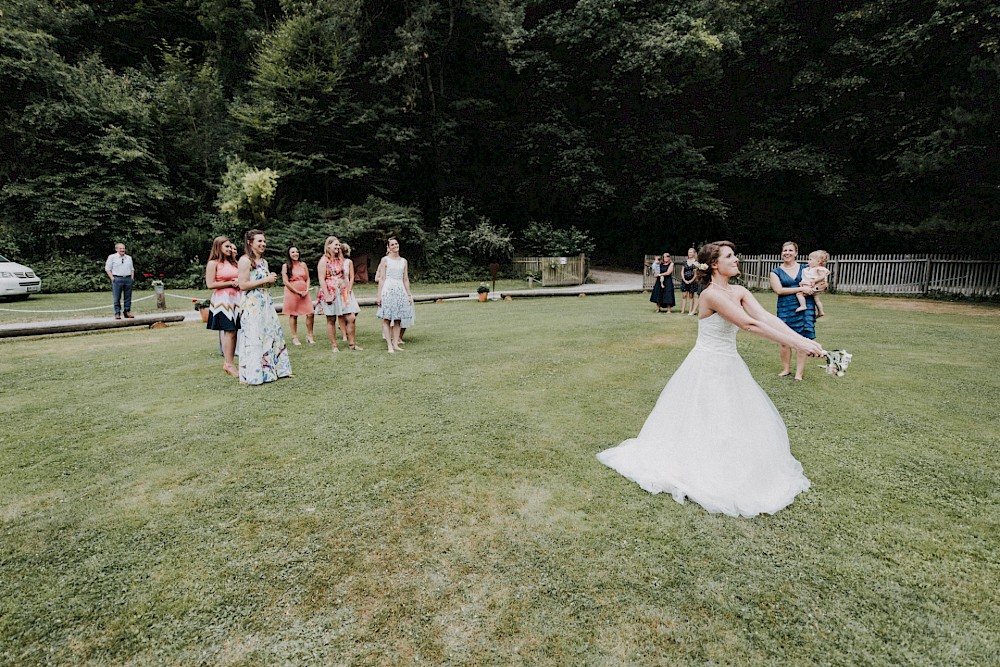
310,340
295,341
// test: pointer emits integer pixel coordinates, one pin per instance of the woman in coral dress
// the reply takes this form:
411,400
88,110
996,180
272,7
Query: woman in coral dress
262,351
296,300
714,436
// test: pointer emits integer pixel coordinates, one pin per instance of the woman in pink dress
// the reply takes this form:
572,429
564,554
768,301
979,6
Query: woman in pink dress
222,276
295,276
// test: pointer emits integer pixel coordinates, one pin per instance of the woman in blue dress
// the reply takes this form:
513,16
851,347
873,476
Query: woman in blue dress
785,281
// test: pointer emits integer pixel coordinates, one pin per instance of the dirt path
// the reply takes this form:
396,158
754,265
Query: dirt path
617,278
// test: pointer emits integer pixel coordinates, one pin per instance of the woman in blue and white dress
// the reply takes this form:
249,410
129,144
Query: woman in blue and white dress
395,302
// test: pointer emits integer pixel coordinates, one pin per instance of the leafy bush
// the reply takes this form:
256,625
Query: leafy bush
464,244
367,227
543,240
72,273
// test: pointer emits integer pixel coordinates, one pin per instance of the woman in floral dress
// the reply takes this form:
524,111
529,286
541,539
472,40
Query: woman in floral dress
395,302
336,295
262,351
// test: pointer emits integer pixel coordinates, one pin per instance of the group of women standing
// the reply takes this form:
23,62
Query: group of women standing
241,303
663,284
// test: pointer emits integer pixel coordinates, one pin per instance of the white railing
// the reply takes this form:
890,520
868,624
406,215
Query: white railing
877,274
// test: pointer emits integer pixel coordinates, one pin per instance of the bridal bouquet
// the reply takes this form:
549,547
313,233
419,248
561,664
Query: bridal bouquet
837,362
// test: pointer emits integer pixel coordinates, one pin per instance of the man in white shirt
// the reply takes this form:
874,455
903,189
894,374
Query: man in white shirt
120,269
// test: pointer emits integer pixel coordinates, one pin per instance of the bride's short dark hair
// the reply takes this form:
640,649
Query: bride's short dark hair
708,255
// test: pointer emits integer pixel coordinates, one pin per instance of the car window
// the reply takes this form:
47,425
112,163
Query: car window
3,259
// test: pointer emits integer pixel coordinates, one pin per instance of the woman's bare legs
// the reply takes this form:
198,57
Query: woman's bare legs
310,323
387,334
229,353
331,331
348,323
293,324
786,360
800,363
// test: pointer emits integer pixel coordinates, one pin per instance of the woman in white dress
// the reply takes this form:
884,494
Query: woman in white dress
395,302
714,436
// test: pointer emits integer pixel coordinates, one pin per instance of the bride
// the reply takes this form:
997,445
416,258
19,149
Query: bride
714,436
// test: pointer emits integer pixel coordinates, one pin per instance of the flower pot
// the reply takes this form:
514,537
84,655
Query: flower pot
204,314
483,296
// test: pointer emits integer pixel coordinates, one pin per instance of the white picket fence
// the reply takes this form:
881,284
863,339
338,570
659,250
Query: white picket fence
878,274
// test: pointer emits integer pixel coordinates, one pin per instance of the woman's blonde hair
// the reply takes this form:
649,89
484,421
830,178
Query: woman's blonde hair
328,243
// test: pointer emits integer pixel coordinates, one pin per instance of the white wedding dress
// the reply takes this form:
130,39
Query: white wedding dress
714,436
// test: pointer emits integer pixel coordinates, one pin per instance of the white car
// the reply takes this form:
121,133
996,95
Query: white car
17,280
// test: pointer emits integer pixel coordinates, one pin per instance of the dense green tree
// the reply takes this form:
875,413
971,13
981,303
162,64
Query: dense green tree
611,133
301,116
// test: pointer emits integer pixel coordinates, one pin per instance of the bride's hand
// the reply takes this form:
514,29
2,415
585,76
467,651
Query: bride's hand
812,348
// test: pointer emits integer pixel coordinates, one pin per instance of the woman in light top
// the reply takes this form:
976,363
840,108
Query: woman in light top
222,276
336,295
296,301
395,302
262,351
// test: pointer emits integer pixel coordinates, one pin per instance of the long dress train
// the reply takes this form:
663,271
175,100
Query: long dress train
714,436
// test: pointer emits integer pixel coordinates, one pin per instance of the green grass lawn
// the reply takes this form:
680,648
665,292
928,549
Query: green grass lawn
444,506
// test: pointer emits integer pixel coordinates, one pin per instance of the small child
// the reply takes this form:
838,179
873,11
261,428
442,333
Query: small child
814,276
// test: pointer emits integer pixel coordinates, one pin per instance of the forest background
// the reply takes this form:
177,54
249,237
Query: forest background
472,129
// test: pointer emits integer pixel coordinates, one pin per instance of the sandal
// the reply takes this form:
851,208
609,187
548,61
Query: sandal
355,347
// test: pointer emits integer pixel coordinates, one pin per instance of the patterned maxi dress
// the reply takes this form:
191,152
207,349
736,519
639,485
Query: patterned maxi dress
261,348
396,303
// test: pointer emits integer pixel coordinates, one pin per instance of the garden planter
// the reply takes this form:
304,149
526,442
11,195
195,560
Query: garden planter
483,296
204,314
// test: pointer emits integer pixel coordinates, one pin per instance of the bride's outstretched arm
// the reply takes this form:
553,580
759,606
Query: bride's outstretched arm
751,316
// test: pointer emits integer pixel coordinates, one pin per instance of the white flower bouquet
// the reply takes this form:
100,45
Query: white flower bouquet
837,362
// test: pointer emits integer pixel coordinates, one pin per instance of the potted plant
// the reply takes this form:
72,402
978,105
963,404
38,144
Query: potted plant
201,305
483,291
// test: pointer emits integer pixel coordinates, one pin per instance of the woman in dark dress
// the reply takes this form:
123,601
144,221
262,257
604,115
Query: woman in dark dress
663,283
785,281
